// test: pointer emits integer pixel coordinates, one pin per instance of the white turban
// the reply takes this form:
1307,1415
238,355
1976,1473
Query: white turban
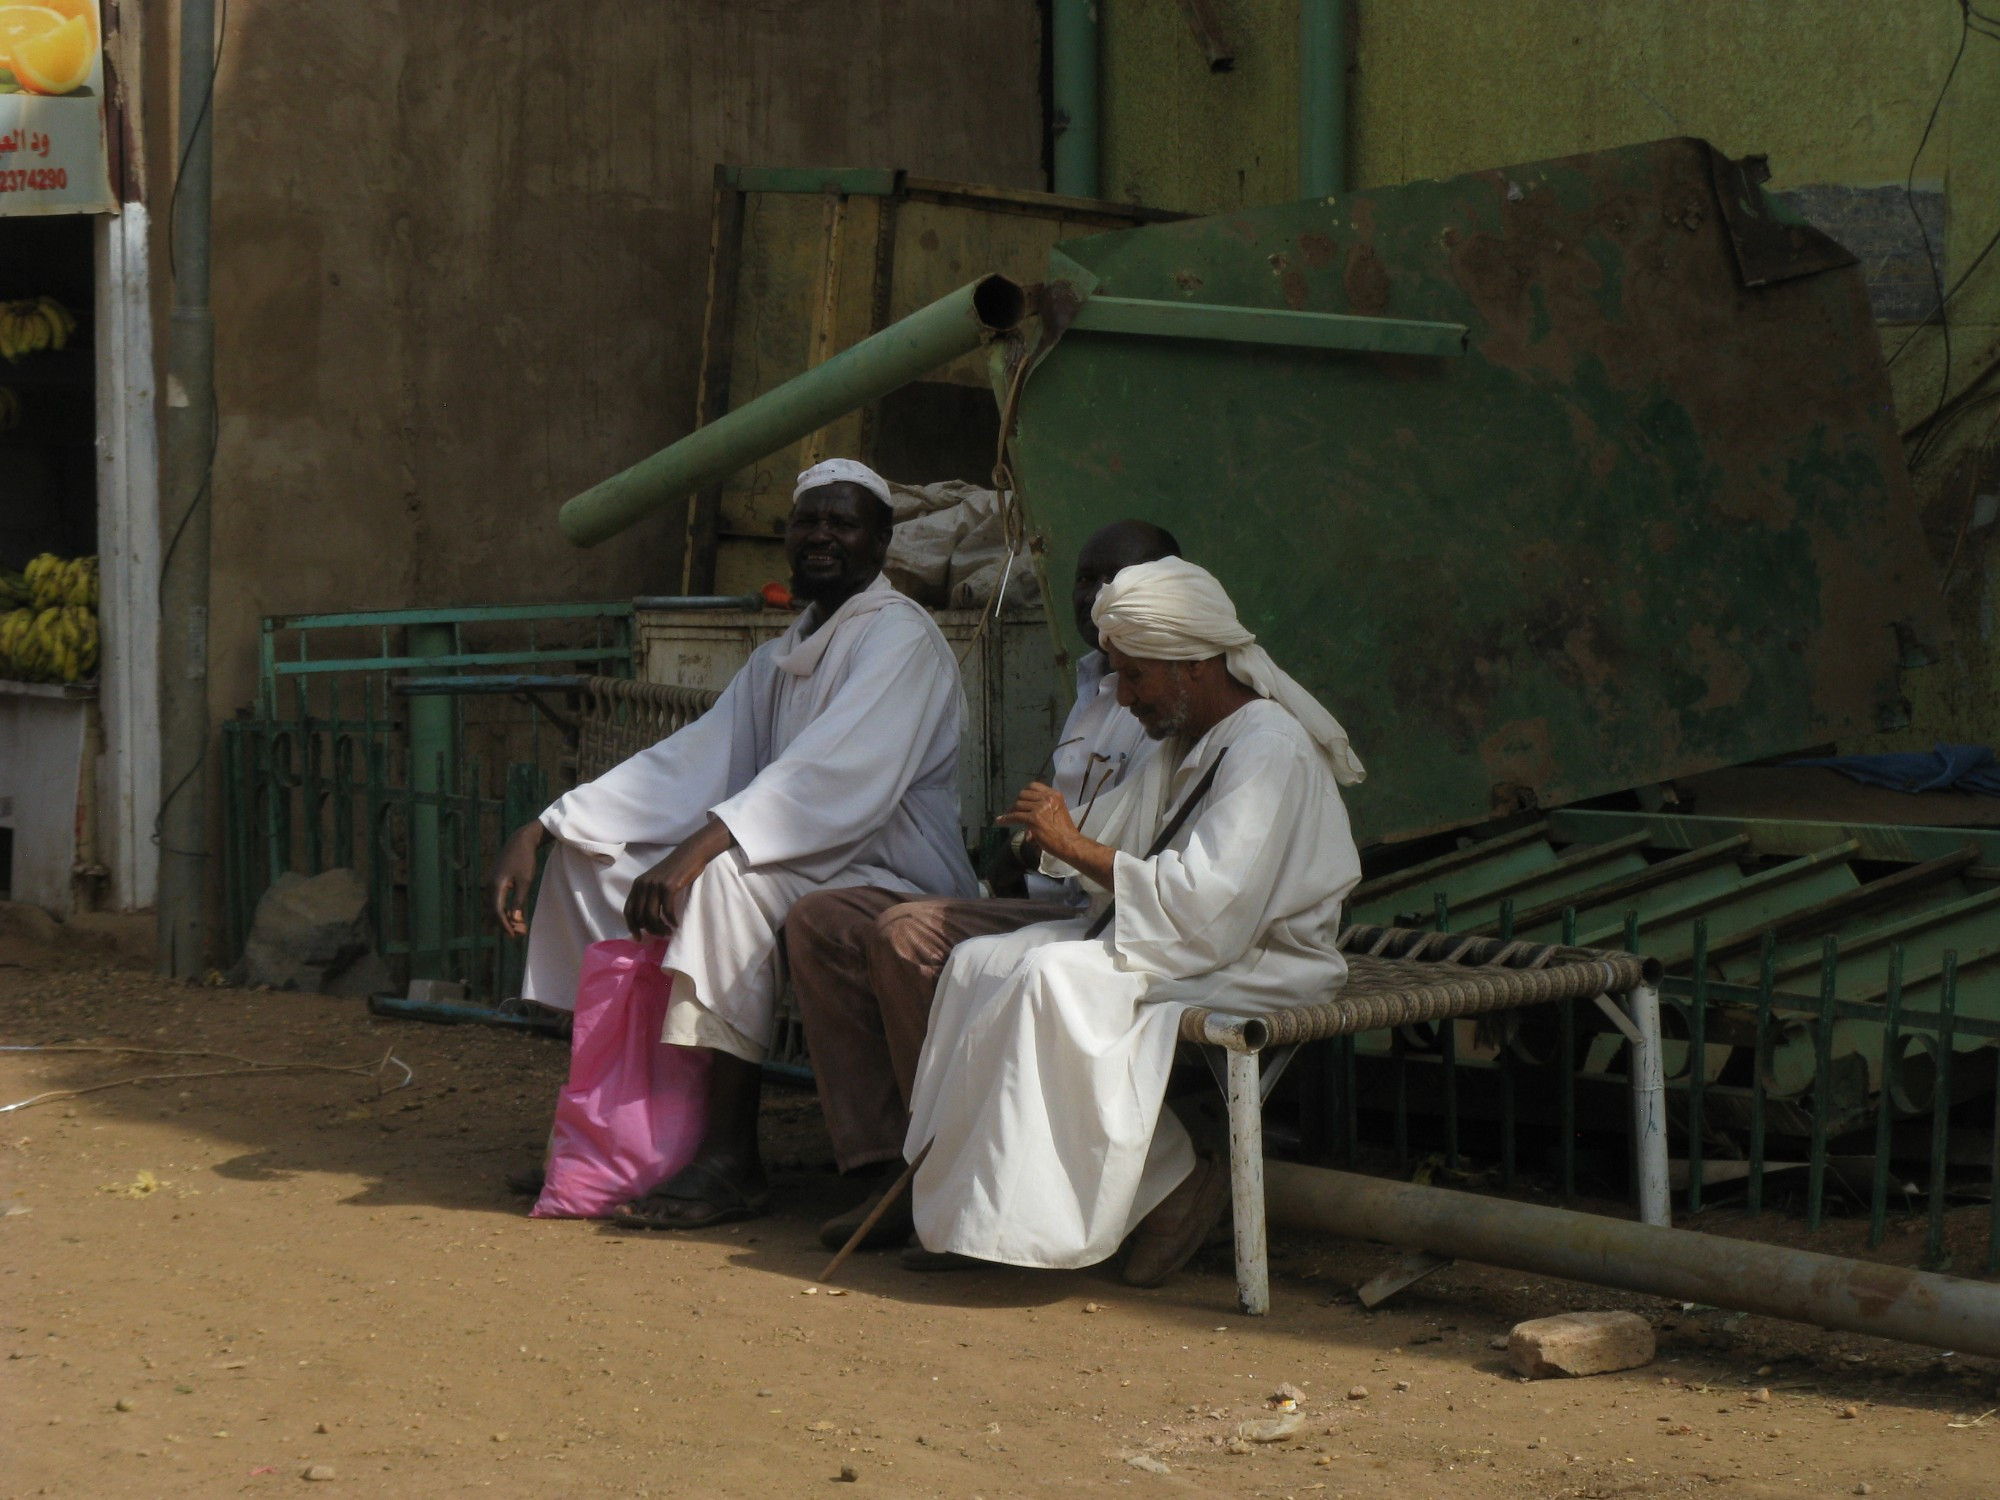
843,471
1171,610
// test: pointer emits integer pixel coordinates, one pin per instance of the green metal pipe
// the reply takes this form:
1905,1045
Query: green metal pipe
1269,325
1944,1312
432,752
1073,28
904,351
1322,98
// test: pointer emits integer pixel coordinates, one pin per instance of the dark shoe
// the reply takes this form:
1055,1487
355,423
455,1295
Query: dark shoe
892,1229
1168,1237
698,1197
527,1182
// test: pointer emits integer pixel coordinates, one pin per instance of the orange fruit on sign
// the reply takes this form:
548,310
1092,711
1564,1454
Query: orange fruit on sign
85,8
20,22
56,62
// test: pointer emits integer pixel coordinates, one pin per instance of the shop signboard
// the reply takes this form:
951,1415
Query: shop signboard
53,157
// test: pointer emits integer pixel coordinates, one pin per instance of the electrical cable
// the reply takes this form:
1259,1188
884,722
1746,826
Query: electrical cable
1910,189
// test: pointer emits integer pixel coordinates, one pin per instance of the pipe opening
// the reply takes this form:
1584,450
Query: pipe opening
1255,1034
999,303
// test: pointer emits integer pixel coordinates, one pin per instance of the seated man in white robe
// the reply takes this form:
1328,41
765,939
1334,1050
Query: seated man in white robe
1218,872
831,759
865,963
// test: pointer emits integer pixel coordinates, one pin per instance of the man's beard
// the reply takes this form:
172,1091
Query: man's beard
1169,722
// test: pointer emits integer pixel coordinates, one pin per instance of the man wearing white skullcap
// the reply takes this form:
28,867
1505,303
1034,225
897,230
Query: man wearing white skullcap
1217,874
831,759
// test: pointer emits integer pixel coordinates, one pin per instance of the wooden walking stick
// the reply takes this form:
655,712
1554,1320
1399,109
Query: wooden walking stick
896,1190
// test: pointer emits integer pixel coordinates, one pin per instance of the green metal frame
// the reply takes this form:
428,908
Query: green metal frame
1269,325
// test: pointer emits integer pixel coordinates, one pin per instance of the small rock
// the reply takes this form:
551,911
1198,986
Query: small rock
319,1427
1357,1393
1759,1397
819,1427
1498,1341
1402,1385
1286,1391
1850,1412
318,1471
1323,1462
499,1437
1149,1463
847,1474
1271,1429
1763,1369
1585,1343
1092,1307
1237,1446
123,1403
1862,1489
762,1394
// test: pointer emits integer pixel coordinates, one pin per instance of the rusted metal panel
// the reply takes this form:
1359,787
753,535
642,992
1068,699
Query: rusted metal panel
1654,521
806,262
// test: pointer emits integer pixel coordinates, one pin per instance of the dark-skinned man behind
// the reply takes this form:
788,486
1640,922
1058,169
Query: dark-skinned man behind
831,759
865,961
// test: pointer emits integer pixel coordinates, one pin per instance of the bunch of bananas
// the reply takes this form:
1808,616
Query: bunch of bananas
52,580
50,630
59,642
10,408
31,324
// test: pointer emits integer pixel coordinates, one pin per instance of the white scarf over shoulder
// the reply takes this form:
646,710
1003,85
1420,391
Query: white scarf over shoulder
1172,610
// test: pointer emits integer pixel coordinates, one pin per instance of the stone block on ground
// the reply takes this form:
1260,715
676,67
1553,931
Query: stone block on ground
29,923
1580,1343
310,933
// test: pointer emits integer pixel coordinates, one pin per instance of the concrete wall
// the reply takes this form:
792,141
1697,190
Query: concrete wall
460,254
1833,91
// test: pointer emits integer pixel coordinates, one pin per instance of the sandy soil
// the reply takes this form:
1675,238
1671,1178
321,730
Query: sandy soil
211,1286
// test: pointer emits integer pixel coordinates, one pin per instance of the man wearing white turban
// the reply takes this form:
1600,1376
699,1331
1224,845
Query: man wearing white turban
1217,875
831,759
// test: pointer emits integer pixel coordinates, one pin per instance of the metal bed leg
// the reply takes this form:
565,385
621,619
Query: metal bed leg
1246,1183
1649,1107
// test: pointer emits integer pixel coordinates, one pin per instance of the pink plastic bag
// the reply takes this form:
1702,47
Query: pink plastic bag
632,1112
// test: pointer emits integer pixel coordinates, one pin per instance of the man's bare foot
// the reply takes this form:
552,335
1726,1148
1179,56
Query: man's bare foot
704,1193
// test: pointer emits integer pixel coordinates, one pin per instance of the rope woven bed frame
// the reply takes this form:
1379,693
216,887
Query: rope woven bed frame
1398,976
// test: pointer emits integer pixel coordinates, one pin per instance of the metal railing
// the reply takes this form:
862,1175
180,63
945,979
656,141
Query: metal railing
1750,1068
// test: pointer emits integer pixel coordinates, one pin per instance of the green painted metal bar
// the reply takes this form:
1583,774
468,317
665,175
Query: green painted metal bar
1510,1125
1270,325
849,182
1448,1049
1884,842
1697,1064
1073,85
1566,1072
1322,98
297,669
1878,1191
1652,877
1934,1255
1822,1088
432,751
906,350
469,614
1869,1011
1760,1063
1433,870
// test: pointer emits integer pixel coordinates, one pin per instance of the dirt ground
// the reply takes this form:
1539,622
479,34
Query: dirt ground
217,1285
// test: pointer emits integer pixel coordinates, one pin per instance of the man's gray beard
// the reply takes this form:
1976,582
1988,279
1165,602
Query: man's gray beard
1173,722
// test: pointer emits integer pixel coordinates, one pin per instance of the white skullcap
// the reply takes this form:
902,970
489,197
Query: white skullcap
843,471
1171,610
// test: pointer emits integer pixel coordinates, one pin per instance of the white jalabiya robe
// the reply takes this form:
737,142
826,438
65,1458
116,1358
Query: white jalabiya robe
1041,1082
832,757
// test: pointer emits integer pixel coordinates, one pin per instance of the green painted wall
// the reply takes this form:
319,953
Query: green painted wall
1833,91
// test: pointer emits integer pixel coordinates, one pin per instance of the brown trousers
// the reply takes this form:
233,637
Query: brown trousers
865,964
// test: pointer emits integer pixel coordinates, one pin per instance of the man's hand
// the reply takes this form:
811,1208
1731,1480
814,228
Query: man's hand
514,876
1041,810
650,907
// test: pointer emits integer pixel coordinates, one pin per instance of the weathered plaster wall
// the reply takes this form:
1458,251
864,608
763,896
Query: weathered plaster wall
1832,91
460,256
